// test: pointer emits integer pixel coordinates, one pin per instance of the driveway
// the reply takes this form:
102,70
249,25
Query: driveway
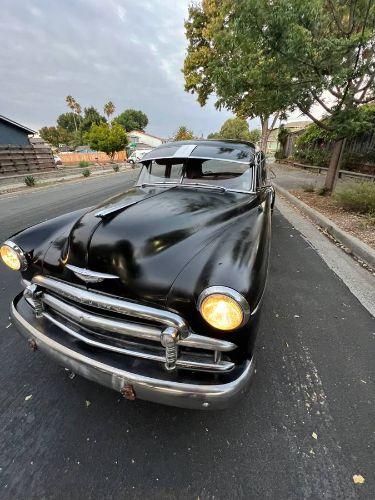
304,429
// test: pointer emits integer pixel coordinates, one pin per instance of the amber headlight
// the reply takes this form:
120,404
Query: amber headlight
12,256
223,308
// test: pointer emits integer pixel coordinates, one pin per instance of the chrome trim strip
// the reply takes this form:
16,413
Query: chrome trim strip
164,157
229,292
180,363
185,395
128,328
90,276
185,151
21,254
105,302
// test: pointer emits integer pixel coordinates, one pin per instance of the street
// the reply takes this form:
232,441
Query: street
304,429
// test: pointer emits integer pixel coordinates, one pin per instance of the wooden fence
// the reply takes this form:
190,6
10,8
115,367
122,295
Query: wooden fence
97,157
24,159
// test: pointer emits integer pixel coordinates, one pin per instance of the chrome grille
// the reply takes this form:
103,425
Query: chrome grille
134,330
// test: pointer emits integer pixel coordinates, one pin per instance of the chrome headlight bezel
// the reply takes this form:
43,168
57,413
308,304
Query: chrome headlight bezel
231,293
20,253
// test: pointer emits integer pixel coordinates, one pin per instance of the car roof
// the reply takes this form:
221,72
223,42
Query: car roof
227,150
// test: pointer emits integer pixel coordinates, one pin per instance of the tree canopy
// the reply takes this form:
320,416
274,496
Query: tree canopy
132,119
69,121
109,108
183,134
55,135
91,116
109,139
219,63
236,128
261,57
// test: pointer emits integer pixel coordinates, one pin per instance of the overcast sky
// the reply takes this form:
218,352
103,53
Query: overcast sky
98,50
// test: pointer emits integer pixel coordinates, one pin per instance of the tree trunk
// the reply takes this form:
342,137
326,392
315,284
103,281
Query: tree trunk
334,165
265,133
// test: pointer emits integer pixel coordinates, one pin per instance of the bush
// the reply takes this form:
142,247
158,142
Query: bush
86,172
308,188
116,168
84,164
279,155
323,191
30,181
357,197
313,156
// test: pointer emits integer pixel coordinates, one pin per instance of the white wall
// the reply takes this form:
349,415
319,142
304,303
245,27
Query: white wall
150,140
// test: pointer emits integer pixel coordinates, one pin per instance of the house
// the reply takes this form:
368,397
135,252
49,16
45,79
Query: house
143,140
273,143
13,133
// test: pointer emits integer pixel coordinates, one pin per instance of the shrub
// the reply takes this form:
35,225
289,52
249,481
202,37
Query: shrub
357,197
30,181
84,164
279,155
116,168
313,156
309,187
86,172
323,191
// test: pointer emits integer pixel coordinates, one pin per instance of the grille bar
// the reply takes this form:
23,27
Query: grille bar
108,303
128,328
180,363
85,315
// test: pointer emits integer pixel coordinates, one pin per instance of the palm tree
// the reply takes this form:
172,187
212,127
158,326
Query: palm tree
77,108
74,106
109,109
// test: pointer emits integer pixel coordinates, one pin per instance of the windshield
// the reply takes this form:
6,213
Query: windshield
197,171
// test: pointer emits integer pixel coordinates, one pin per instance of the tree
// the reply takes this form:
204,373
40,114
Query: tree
75,107
55,135
326,47
109,109
132,119
183,134
109,139
239,75
255,135
236,128
285,55
91,116
69,121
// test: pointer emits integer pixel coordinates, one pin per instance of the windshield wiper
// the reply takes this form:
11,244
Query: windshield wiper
167,183
202,185
189,185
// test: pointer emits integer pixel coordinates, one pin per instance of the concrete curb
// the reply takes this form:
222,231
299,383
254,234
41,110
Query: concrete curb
356,247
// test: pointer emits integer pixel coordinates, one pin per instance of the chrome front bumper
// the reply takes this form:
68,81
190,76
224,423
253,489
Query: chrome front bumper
196,393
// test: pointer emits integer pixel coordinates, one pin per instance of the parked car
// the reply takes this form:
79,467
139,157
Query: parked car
157,292
57,160
137,156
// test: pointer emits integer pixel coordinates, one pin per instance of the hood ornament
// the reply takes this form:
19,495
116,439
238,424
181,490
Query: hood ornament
90,276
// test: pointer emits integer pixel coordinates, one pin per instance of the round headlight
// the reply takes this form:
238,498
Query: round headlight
223,308
13,256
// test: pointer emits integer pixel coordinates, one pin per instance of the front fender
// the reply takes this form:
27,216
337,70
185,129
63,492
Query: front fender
238,259
35,240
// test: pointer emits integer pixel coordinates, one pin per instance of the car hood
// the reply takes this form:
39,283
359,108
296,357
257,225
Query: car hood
146,239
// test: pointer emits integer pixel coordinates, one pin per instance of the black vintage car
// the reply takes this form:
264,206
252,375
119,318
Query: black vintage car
157,292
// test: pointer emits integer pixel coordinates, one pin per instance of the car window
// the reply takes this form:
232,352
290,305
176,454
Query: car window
229,174
165,170
244,154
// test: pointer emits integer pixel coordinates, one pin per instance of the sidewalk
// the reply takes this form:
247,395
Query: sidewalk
354,232
294,178
61,174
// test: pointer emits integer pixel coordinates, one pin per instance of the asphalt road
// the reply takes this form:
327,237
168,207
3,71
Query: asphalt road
305,428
